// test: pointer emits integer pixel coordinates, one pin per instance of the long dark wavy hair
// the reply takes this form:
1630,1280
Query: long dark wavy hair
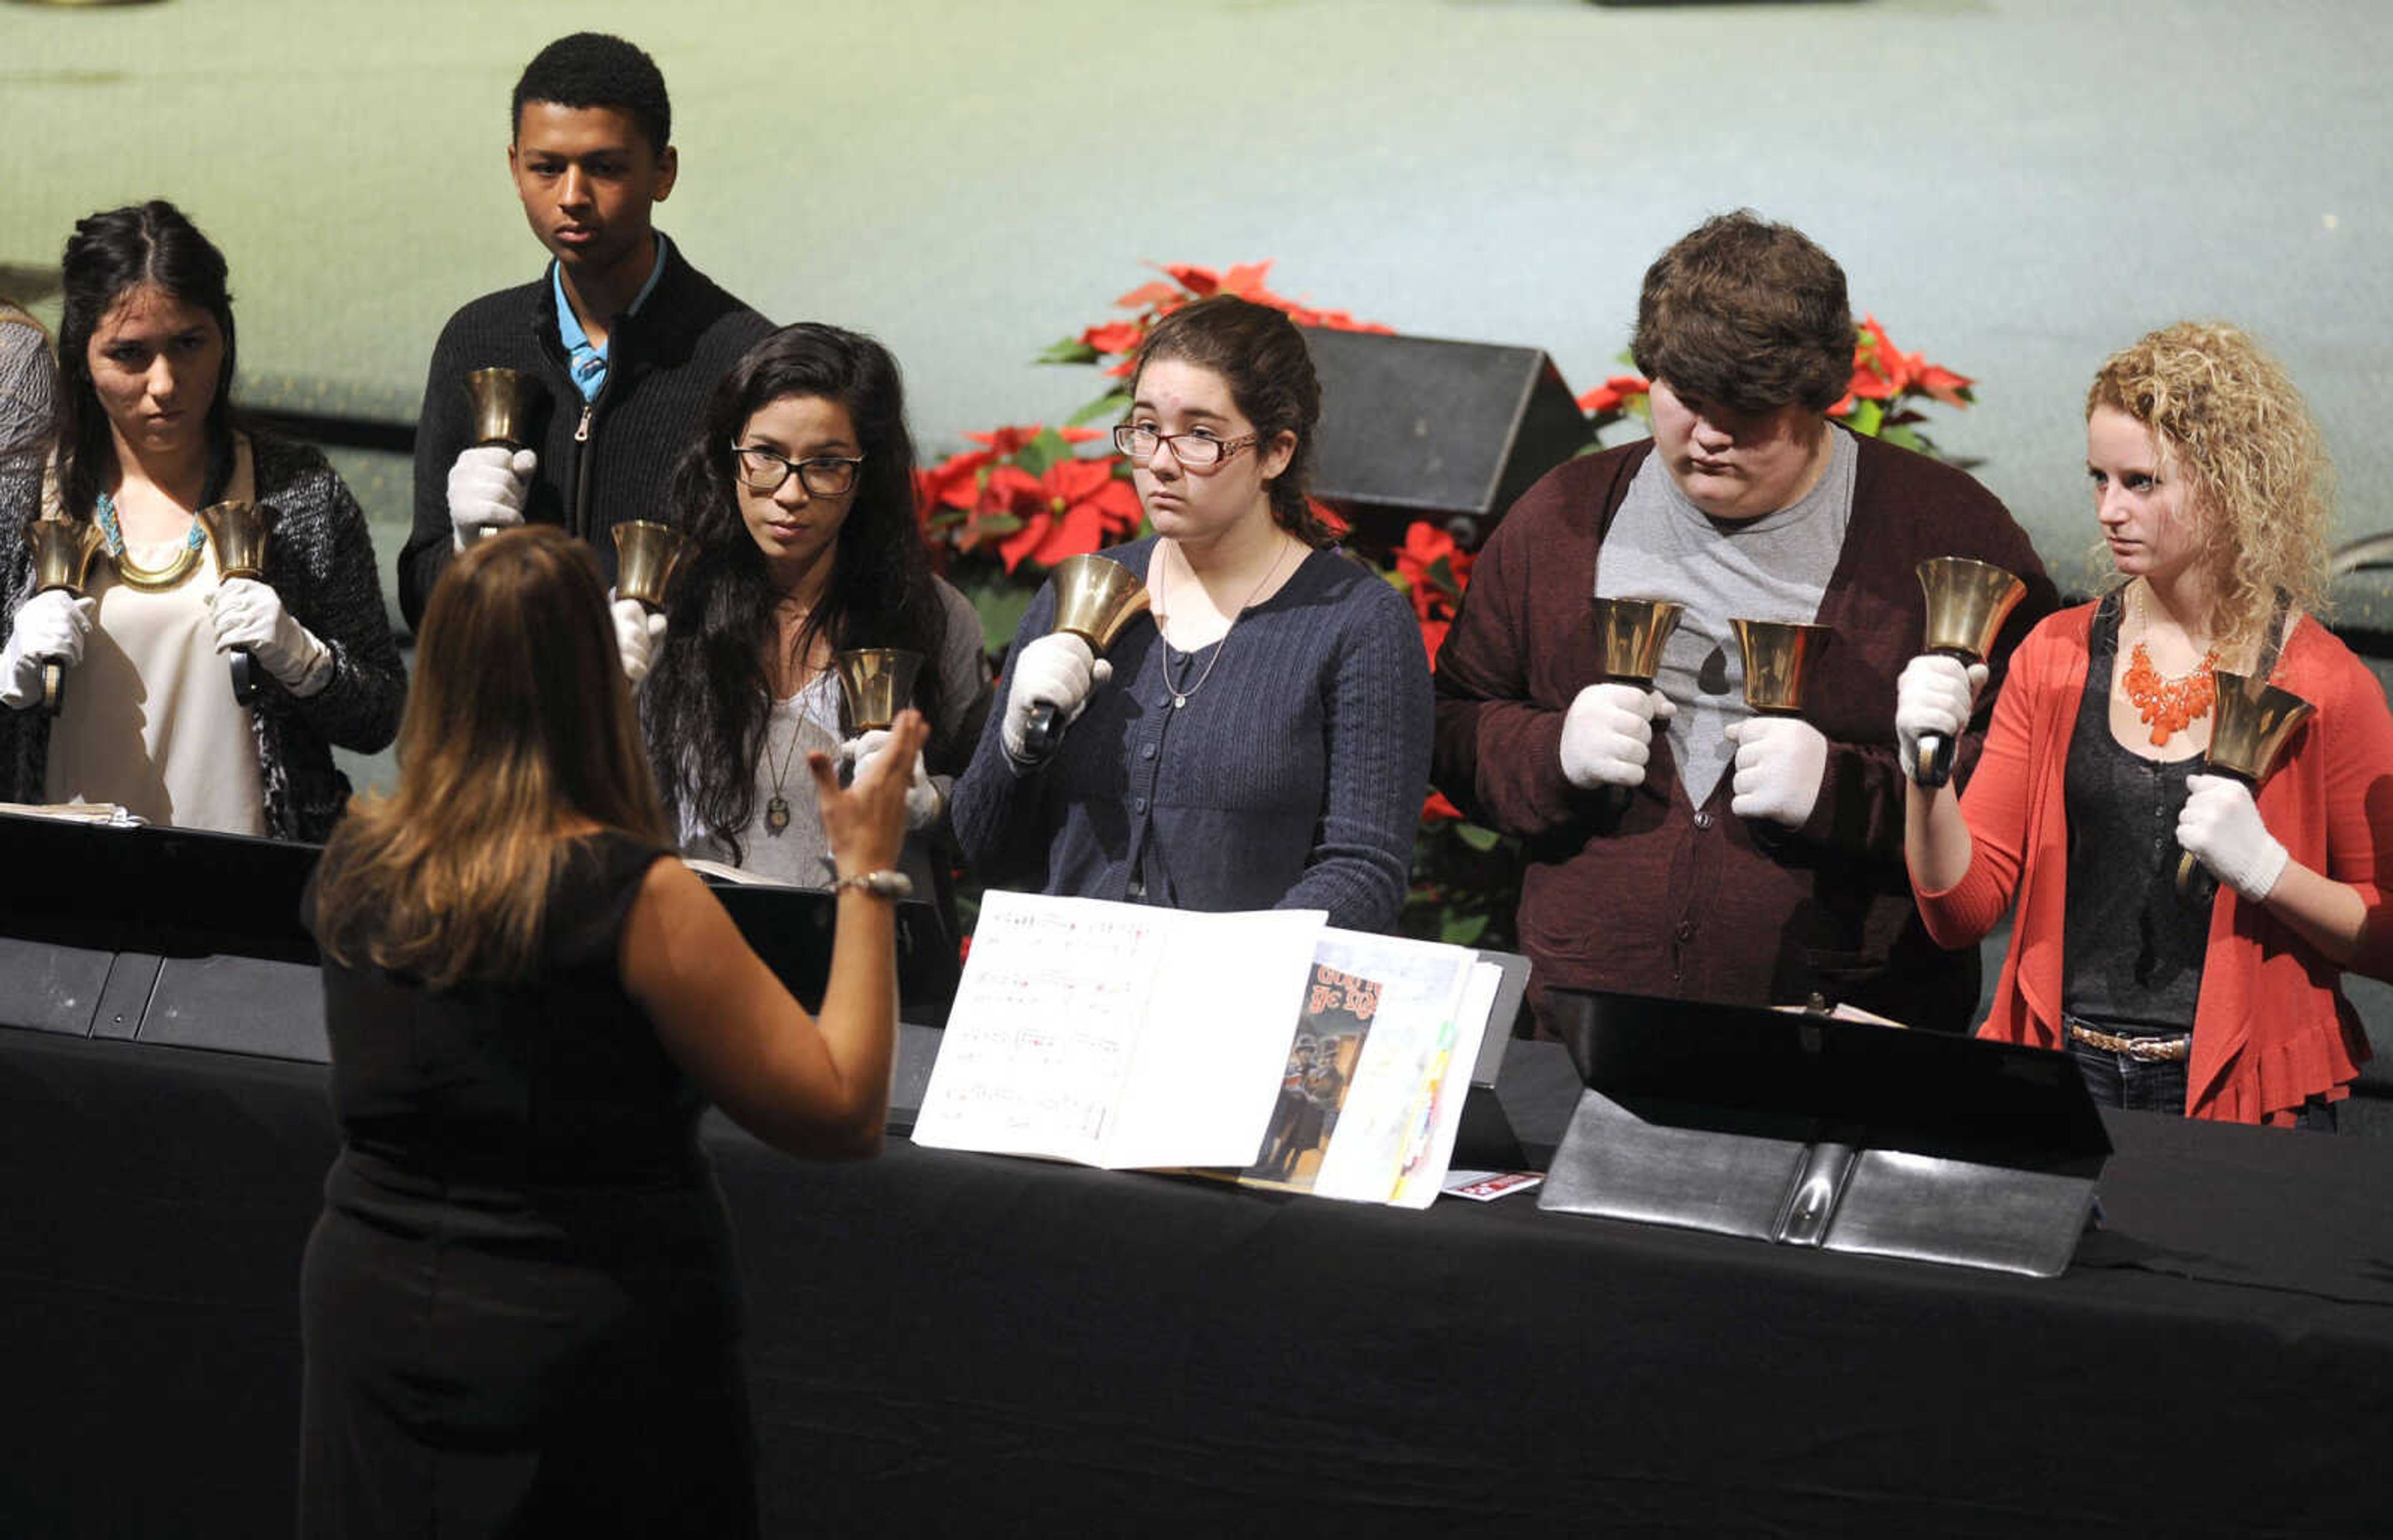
109,255
707,703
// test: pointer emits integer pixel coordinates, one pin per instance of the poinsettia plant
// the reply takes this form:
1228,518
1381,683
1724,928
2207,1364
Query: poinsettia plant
1882,401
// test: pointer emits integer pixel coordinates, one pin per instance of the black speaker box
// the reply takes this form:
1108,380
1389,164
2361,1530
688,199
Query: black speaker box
1415,428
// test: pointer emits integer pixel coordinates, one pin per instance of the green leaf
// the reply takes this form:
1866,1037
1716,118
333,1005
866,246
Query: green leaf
1866,417
1478,839
1070,350
1000,524
1043,451
1000,602
1462,930
1112,404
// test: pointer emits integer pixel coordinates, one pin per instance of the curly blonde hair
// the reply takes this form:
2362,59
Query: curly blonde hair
2226,417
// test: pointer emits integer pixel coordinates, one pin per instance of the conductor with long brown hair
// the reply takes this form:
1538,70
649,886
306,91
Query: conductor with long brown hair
518,1305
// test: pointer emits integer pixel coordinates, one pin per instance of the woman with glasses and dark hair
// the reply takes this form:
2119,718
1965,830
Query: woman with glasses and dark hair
1265,742
146,436
798,489
520,1306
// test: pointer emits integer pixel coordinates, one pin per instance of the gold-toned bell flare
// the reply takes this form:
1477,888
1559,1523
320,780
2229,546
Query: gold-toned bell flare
1095,597
647,556
1629,634
240,532
877,683
63,552
1777,655
503,403
2255,722
1967,602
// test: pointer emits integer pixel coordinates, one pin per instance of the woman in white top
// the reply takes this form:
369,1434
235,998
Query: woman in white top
798,487
145,437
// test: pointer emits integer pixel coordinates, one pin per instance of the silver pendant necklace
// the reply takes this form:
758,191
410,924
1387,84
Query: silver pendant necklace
1180,693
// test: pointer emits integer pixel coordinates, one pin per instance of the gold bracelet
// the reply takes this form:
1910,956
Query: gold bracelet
883,883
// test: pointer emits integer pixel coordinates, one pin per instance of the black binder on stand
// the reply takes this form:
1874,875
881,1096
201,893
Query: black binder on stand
1804,1129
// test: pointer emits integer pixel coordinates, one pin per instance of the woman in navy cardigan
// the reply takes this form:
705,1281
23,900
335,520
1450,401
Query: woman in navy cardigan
1264,741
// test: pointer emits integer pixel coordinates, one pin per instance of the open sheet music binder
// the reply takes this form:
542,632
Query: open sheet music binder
1807,1130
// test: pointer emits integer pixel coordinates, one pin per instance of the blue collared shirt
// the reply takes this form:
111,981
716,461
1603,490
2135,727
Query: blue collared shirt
585,358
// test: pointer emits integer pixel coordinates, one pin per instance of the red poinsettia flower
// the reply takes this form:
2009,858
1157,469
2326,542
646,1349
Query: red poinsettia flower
1331,519
1113,336
1425,547
1067,511
1148,295
1614,393
1434,636
953,482
1946,385
1435,809
1007,441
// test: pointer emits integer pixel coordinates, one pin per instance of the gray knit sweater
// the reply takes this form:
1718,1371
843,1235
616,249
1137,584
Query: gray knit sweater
1292,779
322,564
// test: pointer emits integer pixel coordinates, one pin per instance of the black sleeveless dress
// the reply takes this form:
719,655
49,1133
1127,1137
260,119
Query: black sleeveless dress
519,1308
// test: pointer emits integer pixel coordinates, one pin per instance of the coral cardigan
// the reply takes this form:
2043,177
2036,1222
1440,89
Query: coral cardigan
2272,1028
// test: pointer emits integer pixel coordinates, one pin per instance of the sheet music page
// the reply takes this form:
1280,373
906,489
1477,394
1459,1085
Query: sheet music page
1389,1119
1208,1068
1039,1042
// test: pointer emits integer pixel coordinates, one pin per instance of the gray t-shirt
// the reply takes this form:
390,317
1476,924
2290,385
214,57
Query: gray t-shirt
1774,567
28,391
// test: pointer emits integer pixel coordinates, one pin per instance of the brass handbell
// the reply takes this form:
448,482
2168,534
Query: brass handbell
648,555
240,531
876,683
1777,656
1967,602
1629,634
63,550
2256,721
1095,597
502,402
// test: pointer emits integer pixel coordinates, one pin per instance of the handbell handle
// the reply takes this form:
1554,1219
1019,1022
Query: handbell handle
1935,763
54,686
2195,886
1043,734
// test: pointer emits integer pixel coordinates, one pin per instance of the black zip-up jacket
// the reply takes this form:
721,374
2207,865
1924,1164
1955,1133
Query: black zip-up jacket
601,465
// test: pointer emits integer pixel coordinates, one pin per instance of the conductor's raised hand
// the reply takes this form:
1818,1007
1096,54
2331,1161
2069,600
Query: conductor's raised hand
865,823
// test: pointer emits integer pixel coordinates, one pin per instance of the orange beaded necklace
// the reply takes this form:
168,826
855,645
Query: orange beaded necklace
2167,705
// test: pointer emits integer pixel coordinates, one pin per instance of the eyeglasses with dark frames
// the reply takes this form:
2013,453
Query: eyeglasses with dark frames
1196,452
761,470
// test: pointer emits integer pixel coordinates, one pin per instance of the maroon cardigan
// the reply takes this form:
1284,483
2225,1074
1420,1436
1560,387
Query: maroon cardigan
1663,897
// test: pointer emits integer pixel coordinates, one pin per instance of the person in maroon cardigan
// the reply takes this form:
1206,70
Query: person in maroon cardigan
1678,844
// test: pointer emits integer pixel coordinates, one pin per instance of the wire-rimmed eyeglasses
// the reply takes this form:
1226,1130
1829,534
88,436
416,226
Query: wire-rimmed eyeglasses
761,470
1196,452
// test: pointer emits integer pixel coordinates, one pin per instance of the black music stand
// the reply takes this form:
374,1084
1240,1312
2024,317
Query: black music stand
1807,1130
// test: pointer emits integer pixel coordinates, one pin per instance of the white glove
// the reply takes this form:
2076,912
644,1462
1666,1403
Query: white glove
2221,827
1058,668
638,632
1935,693
1780,763
51,624
249,614
923,803
1608,734
486,491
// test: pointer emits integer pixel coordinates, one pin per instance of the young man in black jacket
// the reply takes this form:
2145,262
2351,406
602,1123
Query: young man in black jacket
622,337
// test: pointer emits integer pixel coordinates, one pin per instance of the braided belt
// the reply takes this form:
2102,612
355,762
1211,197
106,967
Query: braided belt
2150,1050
